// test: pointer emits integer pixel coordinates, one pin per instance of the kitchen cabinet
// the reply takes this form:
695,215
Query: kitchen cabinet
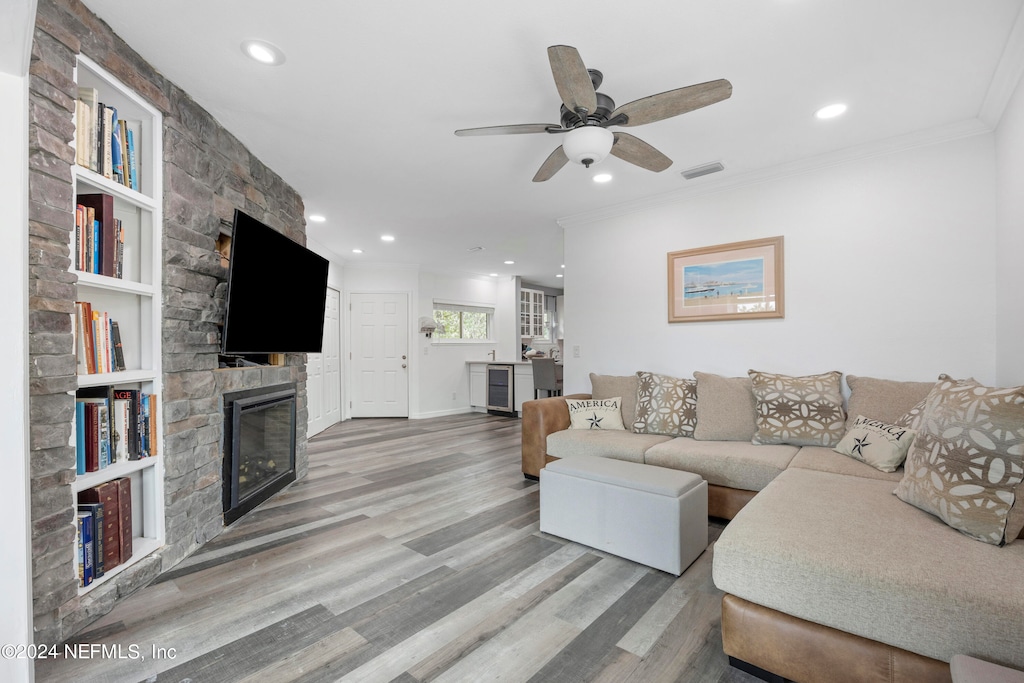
531,314
478,385
522,378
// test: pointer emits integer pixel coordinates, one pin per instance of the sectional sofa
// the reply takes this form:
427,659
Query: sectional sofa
827,575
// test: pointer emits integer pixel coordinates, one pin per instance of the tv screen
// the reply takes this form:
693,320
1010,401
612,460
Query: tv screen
276,293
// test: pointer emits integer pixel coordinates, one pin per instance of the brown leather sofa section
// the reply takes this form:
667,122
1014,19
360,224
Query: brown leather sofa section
806,652
540,418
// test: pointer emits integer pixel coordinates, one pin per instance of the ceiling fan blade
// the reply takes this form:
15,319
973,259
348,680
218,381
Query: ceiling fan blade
672,103
516,129
572,79
552,165
636,151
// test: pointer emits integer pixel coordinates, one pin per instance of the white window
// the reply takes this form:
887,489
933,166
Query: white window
463,323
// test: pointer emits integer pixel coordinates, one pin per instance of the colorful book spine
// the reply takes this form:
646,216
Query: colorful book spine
96,512
79,437
87,553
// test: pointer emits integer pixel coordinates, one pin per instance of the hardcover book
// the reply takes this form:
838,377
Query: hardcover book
103,206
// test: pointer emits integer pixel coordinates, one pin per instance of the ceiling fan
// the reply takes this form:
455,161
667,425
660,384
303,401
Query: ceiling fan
586,115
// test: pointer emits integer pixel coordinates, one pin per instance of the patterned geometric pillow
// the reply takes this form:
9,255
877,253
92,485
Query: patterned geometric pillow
595,413
966,464
801,411
912,418
665,405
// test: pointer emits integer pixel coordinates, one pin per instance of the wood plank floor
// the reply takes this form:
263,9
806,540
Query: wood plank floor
410,553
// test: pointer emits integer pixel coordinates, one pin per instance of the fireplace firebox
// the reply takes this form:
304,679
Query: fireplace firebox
259,447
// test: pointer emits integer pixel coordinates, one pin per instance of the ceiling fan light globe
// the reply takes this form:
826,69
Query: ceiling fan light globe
587,145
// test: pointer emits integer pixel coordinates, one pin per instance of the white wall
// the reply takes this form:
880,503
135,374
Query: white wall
443,373
17,18
889,264
1009,142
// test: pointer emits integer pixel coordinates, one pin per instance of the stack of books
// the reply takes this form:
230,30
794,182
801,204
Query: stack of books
104,143
104,528
113,425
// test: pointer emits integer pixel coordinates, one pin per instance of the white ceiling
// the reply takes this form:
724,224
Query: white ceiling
360,117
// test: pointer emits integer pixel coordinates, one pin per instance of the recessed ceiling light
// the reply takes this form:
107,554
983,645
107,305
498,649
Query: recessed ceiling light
563,265
509,263
263,52
602,177
831,111
559,275
494,275
357,251
387,238
317,218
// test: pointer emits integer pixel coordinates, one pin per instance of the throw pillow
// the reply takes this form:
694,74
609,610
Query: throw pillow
912,418
725,408
800,411
880,444
665,405
883,399
966,464
610,386
595,413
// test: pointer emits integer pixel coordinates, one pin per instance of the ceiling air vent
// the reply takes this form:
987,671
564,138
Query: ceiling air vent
706,169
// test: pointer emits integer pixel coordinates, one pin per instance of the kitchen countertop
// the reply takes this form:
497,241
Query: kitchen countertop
497,362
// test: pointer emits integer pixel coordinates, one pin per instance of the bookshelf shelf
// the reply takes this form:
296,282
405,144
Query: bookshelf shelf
129,293
115,284
115,471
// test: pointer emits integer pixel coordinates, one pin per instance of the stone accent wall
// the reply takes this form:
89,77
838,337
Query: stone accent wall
207,174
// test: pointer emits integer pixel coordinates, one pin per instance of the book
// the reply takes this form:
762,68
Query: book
131,396
87,552
124,501
115,340
107,138
106,250
133,176
96,511
119,437
84,330
79,437
108,493
86,132
116,162
103,438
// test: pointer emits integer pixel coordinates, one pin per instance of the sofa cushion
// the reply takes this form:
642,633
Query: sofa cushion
883,399
723,463
882,445
844,552
665,405
610,386
966,464
802,411
822,459
595,413
620,445
725,408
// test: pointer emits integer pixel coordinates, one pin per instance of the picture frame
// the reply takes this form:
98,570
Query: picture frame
735,281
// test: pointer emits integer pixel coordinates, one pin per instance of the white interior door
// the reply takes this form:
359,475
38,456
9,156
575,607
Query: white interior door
380,355
323,371
332,357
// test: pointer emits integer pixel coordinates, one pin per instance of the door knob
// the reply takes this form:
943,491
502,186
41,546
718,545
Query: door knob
403,358
403,365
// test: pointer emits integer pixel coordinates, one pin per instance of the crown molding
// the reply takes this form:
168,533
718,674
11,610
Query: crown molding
1007,76
721,183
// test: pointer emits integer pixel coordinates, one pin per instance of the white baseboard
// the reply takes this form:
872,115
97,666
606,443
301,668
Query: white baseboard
441,413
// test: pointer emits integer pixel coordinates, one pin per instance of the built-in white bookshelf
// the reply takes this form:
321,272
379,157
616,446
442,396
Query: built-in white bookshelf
133,300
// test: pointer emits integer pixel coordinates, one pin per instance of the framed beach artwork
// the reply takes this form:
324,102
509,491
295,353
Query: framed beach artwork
726,282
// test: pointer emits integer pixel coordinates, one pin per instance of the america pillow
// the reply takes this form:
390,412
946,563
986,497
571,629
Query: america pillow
595,413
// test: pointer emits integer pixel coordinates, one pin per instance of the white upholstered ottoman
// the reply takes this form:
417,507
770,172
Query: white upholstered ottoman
652,515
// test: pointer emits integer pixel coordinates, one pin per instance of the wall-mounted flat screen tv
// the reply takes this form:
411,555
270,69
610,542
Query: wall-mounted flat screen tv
276,293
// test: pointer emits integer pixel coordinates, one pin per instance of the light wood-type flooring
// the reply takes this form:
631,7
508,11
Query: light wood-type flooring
410,553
